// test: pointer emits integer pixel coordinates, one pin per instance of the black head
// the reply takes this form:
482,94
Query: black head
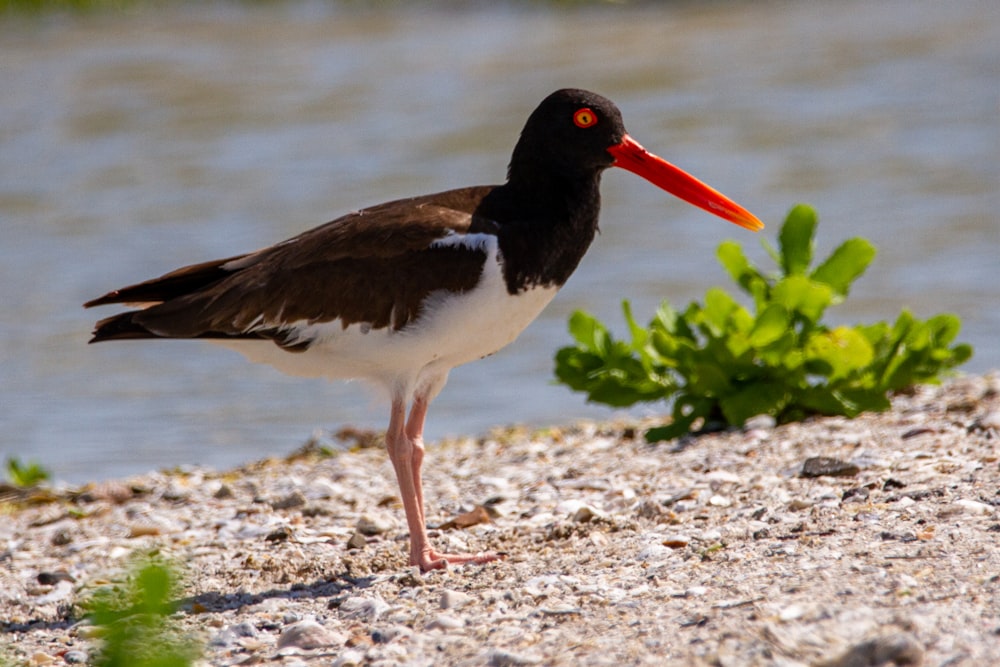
574,135
571,132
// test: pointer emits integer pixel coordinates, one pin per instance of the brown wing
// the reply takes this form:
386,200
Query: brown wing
374,266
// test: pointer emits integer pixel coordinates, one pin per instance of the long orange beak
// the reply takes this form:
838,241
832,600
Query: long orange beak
630,155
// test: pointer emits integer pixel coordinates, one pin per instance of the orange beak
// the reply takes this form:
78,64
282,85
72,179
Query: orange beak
631,156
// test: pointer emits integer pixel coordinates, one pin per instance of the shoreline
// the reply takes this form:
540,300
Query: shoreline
713,549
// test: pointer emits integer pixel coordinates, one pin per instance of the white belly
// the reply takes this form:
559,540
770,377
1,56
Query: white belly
452,329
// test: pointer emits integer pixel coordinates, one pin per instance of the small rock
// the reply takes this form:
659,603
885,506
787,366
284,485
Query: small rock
280,535
820,466
500,658
357,607
294,499
224,491
53,578
677,541
723,477
719,501
39,658
350,658
410,578
386,635
584,515
143,530
229,637
370,524
792,612
75,657
991,420
899,650
454,599
653,552
308,634
973,506
357,541
473,517
762,422
445,622
858,494
650,509
62,537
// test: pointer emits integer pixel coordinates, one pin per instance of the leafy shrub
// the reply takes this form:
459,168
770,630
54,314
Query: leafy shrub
133,620
25,474
720,363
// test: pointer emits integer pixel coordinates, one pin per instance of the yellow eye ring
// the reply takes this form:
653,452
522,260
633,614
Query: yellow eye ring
585,118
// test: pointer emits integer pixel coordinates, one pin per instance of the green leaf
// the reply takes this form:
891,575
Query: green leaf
845,265
745,274
588,331
757,398
770,326
800,295
844,351
796,240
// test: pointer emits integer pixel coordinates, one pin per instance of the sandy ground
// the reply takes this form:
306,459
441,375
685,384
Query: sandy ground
734,548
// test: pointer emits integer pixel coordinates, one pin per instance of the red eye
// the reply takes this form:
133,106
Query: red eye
585,118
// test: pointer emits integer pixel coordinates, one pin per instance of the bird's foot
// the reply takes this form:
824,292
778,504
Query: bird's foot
432,560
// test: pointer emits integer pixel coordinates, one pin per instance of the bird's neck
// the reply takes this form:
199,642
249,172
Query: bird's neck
547,219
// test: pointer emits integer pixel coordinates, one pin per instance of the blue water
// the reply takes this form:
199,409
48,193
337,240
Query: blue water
134,143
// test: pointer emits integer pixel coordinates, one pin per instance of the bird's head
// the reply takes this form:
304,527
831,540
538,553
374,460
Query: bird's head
577,132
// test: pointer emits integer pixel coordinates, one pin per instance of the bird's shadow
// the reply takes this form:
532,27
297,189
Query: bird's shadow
209,602
217,601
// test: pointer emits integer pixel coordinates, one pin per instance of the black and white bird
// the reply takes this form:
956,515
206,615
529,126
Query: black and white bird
402,292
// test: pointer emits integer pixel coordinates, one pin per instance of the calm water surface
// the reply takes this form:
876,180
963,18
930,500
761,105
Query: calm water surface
133,144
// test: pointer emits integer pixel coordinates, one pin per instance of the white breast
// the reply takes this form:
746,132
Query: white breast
452,329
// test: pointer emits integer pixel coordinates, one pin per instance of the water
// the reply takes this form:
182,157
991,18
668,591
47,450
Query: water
133,144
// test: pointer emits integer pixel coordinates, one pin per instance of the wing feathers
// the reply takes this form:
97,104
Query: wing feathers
375,266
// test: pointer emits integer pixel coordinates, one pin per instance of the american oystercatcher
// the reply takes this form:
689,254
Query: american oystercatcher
401,293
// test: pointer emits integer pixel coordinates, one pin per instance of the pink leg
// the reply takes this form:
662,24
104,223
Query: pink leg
404,442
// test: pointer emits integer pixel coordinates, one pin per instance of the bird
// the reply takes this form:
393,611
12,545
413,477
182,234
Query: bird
402,292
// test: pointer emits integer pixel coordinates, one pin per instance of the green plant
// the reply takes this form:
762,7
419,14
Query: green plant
25,474
720,363
133,620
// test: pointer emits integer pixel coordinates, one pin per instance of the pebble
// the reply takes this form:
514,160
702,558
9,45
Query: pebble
991,420
973,506
500,658
357,607
75,657
357,541
897,649
391,633
374,524
792,612
454,599
308,634
653,552
760,422
824,466
445,622
350,658
720,501
231,635
292,500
